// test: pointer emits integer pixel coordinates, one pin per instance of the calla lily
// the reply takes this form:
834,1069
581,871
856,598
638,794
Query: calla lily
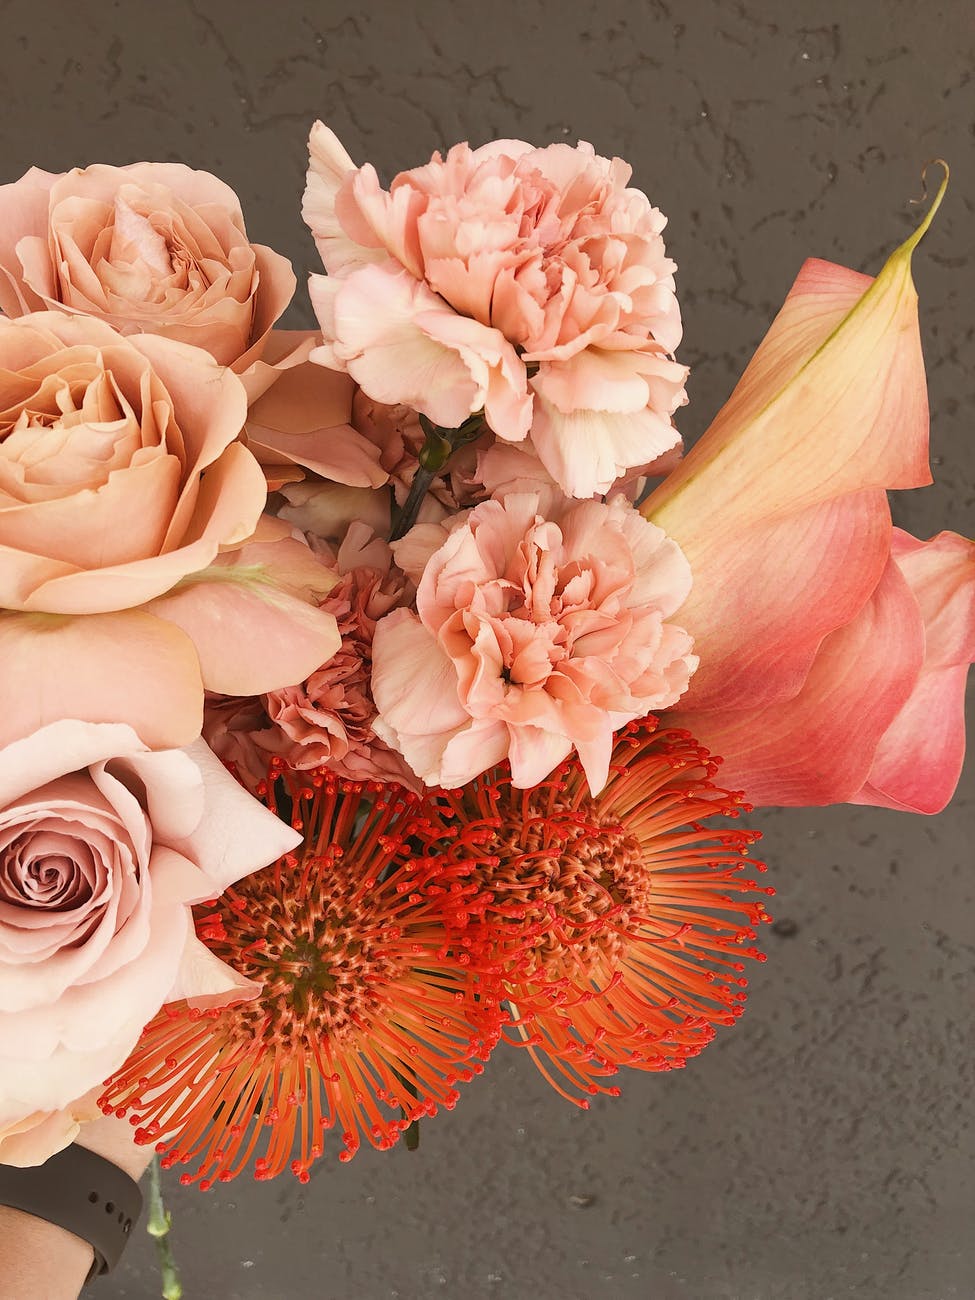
821,635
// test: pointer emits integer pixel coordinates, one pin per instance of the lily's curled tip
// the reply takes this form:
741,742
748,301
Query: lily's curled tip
912,242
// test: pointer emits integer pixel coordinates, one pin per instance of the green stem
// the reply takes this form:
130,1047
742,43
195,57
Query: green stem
160,1221
405,517
438,447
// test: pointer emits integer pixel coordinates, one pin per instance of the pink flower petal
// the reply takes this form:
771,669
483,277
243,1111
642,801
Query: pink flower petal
587,451
203,980
123,665
251,635
779,507
919,758
818,747
329,164
390,356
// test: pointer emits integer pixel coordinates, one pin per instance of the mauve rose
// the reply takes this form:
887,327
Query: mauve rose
532,283
104,845
151,248
120,469
540,627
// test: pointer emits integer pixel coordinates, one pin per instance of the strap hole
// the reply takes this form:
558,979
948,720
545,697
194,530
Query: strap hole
93,1197
127,1226
109,1207
121,1216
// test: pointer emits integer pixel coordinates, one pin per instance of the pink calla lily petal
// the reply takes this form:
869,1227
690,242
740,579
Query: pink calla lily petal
811,638
833,404
807,750
919,758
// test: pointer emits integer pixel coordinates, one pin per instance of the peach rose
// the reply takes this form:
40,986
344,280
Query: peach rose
120,469
540,626
104,846
150,248
532,283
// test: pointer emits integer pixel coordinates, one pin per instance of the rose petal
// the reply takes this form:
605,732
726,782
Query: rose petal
128,665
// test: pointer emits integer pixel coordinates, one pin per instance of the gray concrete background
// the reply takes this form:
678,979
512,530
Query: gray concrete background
823,1148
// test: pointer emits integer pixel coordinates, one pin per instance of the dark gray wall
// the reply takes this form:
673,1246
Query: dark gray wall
823,1149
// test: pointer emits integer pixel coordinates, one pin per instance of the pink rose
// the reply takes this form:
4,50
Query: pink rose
120,469
150,248
532,283
254,615
539,627
104,845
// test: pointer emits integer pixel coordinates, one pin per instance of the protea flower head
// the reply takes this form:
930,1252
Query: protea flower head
620,922
360,1022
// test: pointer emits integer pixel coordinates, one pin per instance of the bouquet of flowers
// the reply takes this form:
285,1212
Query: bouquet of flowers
380,697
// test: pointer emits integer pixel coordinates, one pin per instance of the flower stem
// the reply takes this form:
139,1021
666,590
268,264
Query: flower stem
160,1221
438,447
405,517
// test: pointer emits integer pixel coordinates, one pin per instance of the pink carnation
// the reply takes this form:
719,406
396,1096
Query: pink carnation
540,626
327,719
532,283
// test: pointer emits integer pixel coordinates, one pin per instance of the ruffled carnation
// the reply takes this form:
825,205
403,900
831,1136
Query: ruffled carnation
327,719
540,627
532,283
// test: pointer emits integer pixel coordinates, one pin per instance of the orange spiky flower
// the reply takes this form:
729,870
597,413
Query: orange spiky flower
620,921
363,1021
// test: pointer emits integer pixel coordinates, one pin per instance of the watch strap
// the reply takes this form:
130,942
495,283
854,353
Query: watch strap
81,1192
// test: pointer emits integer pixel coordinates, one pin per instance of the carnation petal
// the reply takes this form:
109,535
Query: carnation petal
587,450
390,356
328,166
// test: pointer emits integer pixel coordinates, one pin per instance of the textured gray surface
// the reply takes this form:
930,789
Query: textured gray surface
824,1147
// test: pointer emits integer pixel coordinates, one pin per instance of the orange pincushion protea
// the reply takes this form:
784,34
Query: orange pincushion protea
361,1021
620,922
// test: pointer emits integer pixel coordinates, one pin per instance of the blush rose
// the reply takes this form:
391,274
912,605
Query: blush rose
120,469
